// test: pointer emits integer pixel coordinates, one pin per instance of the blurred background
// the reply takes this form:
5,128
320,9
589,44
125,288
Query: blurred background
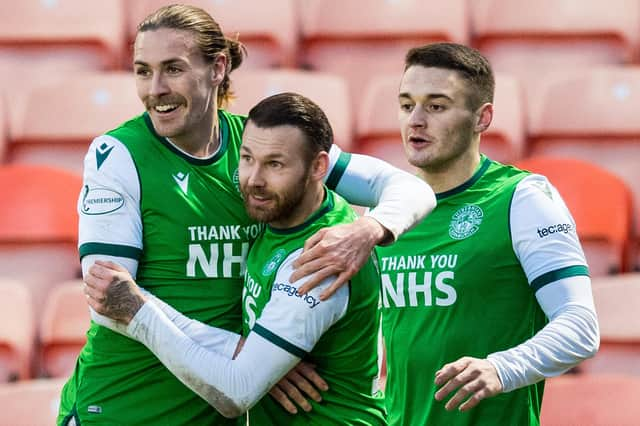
567,105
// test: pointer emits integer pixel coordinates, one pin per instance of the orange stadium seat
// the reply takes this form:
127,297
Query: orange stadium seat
591,115
38,227
359,39
57,121
17,331
617,302
591,400
377,128
590,192
529,38
63,326
328,91
59,36
30,403
267,28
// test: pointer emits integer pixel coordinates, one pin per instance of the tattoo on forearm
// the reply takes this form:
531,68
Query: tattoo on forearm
121,301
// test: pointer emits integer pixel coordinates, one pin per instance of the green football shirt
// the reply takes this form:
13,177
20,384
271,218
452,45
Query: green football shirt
463,282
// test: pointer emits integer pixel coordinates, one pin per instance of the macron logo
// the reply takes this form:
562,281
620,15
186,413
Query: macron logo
183,181
102,153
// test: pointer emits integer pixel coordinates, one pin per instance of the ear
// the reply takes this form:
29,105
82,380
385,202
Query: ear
320,166
485,115
219,69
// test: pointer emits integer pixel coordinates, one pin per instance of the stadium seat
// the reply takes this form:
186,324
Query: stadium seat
590,192
591,400
359,39
57,121
617,300
328,91
529,38
17,331
267,29
592,115
63,326
30,403
38,227
377,128
60,35
3,128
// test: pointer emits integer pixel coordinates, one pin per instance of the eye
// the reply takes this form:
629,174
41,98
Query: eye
405,106
435,107
275,164
172,70
142,72
245,157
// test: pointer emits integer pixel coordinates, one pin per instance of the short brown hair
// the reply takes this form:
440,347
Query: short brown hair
208,36
470,63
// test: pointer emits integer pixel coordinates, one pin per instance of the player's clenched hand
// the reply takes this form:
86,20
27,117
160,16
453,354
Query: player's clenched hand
301,379
339,250
111,291
471,379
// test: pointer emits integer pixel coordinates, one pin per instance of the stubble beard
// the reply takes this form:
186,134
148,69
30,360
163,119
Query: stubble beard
285,204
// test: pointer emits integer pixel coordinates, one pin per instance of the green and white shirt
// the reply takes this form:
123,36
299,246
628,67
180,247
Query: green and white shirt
464,283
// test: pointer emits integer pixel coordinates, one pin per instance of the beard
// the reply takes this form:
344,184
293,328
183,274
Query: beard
281,205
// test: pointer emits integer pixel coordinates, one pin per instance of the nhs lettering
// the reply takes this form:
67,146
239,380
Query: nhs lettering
250,293
419,280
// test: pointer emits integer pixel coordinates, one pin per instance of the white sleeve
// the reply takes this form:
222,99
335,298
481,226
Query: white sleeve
234,386
296,322
544,234
546,243
109,203
400,200
570,337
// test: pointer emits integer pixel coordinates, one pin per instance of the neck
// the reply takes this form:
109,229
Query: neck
312,200
452,174
203,141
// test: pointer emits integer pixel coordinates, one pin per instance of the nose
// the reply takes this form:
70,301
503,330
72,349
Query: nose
418,117
254,175
158,85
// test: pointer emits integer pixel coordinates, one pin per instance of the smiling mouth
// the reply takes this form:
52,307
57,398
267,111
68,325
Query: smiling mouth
165,108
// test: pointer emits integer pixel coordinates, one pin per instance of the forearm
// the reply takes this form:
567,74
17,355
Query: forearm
230,386
571,337
398,199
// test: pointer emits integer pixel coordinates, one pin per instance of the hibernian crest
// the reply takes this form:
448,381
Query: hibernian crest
465,222
274,262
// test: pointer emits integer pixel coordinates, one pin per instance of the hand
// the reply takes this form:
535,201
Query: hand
302,377
339,250
111,291
472,377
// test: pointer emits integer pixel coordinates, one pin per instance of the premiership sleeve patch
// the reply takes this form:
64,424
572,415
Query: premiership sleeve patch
96,201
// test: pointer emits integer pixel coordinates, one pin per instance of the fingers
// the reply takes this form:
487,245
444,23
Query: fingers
309,268
309,374
463,393
308,252
282,399
317,278
304,385
293,393
450,370
342,279
454,383
476,398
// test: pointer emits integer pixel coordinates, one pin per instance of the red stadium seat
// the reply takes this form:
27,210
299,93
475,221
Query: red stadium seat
530,38
63,326
4,129
328,91
30,403
359,39
589,192
17,331
617,302
377,121
58,120
38,227
62,35
592,115
268,29
591,400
